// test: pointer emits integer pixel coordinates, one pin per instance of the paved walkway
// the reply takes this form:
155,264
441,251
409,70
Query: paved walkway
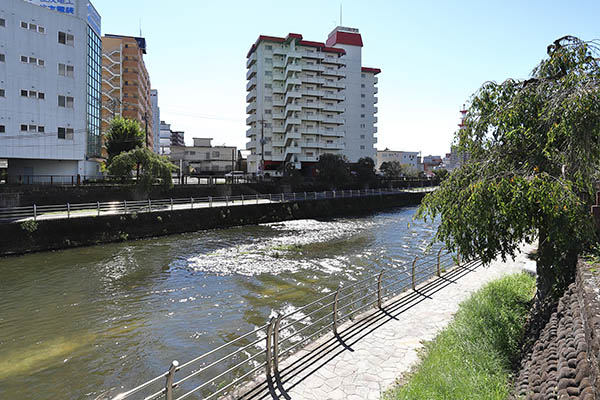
379,347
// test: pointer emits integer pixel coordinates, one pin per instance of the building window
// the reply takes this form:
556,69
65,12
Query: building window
2,22
65,133
362,147
362,136
68,70
32,94
362,115
41,62
268,153
41,96
269,60
41,29
24,93
216,154
362,96
2,58
268,47
67,39
362,106
363,125
362,85
23,128
363,75
268,98
24,25
268,112
24,59
2,129
268,86
32,128
2,93
65,101
268,73
41,129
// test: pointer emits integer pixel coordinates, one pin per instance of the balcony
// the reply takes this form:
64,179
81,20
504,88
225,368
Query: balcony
333,96
251,119
278,64
312,79
310,131
376,81
251,84
251,107
307,158
375,91
312,117
250,96
278,129
251,145
292,81
336,108
291,107
335,72
333,120
292,94
290,137
291,122
292,68
278,143
330,146
251,60
290,55
278,102
375,110
332,132
374,120
313,67
314,54
251,72
313,92
279,89
334,60
375,100
278,116
251,132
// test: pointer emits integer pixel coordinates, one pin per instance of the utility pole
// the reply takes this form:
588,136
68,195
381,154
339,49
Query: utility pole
146,127
232,160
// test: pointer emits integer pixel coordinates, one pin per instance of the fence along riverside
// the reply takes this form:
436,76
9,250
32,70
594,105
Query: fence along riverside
69,210
236,362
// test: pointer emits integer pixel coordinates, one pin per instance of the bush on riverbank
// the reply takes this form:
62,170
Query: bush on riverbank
472,357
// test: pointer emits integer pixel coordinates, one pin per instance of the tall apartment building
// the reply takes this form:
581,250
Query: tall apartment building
155,121
126,83
50,88
309,98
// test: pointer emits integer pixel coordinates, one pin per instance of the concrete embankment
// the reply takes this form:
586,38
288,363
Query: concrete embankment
30,236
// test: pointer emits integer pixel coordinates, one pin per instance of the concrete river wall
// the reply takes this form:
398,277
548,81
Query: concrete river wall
43,235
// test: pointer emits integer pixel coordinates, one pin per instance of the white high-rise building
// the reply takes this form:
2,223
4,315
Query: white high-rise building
50,83
309,98
155,121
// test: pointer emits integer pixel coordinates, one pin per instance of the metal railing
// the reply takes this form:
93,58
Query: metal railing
72,210
235,363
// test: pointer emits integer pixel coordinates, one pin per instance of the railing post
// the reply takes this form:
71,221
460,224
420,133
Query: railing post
227,201
334,194
149,205
68,210
294,196
439,273
125,205
276,344
210,201
315,195
98,206
269,353
171,204
257,198
191,203
34,212
170,379
379,288
270,198
413,272
242,199
335,310
305,196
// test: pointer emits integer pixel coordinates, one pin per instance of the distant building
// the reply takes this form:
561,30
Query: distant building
309,98
410,158
126,83
155,121
49,89
430,163
203,158
165,138
177,138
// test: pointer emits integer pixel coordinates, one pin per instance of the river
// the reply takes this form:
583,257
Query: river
79,321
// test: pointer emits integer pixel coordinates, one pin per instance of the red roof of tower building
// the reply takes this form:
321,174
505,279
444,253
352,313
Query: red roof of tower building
338,37
373,71
293,36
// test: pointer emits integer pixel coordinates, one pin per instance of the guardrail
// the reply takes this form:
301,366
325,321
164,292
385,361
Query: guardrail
227,367
69,210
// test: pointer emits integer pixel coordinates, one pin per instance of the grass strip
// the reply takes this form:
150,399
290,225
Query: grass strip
472,357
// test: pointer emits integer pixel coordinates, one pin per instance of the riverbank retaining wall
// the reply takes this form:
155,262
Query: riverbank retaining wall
32,236
563,362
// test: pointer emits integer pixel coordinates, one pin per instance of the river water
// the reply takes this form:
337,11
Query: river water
76,322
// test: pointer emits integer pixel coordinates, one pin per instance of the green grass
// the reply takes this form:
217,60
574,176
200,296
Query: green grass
472,357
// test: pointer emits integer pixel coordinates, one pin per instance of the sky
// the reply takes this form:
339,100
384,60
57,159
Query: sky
433,55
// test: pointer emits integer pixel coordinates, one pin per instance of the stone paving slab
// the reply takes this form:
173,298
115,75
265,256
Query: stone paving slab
376,348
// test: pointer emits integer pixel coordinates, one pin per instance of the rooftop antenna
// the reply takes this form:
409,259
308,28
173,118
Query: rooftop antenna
341,24
140,27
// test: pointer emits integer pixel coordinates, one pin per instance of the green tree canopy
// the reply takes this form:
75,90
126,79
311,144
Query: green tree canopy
153,167
364,170
123,135
534,150
440,173
332,170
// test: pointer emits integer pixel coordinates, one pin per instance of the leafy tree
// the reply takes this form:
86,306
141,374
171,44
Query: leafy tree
392,169
534,149
365,171
440,174
332,170
153,167
123,135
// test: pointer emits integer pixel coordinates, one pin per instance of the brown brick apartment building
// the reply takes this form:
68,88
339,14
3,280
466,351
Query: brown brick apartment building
125,82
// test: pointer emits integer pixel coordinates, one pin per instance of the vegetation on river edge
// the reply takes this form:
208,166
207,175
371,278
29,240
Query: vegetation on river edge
472,357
